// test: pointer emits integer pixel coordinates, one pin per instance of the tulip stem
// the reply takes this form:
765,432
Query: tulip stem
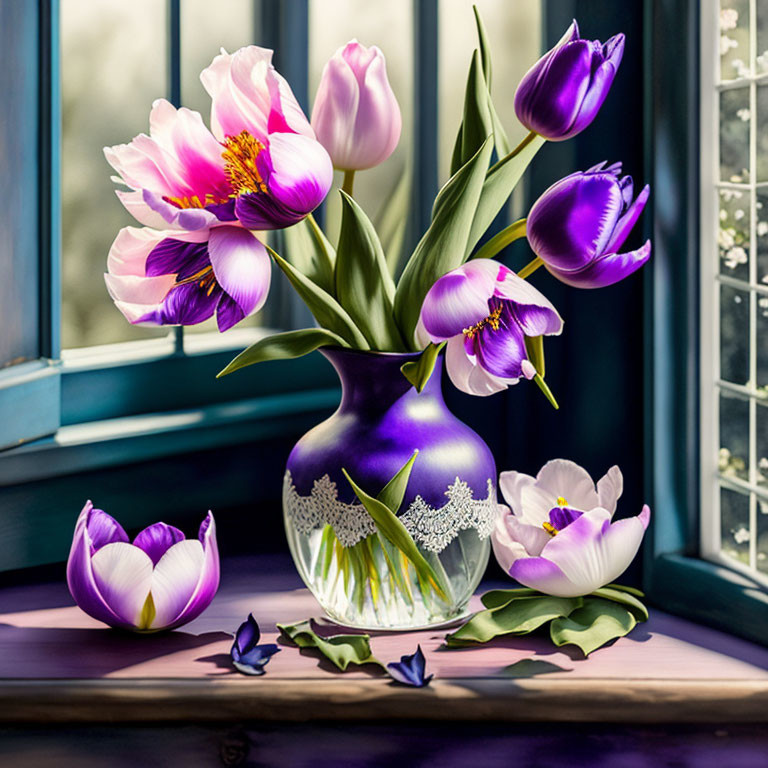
349,182
530,267
500,241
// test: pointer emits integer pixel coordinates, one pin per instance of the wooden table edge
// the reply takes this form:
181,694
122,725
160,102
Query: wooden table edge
616,700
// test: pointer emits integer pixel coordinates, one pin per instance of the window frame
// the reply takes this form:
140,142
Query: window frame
676,577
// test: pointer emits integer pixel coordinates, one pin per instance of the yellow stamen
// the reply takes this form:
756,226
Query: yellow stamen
240,153
492,320
203,276
195,202
549,528
561,502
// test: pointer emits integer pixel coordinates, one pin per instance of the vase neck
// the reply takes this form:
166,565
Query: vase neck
372,381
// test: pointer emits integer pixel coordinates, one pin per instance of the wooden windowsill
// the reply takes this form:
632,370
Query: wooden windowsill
58,665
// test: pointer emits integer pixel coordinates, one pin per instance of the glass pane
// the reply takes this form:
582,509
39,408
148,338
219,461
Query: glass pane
762,133
19,309
514,32
762,345
733,460
761,62
762,445
762,235
733,233
762,536
734,525
113,67
734,39
734,135
734,335
332,24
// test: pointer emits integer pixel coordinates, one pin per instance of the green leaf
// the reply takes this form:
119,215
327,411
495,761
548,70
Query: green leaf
593,625
391,495
542,385
534,347
395,532
284,346
307,249
476,124
443,246
622,588
342,650
364,286
419,371
624,597
496,598
519,616
392,221
326,547
499,184
326,310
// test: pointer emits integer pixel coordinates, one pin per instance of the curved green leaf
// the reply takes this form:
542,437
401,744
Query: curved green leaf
519,616
444,244
326,310
363,283
534,347
593,625
419,371
392,221
284,346
624,597
393,492
342,650
476,124
496,598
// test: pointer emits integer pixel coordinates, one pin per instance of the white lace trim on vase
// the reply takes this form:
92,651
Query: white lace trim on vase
434,529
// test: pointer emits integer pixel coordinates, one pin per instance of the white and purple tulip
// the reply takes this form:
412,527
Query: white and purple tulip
579,224
183,278
160,581
484,311
558,537
356,116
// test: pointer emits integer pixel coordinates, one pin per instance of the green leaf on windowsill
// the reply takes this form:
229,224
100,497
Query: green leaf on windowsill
594,624
341,650
518,616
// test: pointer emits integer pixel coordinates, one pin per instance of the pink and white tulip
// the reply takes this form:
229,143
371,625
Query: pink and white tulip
484,311
356,116
160,581
184,277
558,538
278,171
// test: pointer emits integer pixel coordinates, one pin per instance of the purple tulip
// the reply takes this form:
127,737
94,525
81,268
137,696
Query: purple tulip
248,656
559,537
563,91
484,311
578,225
183,278
410,670
277,170
161,581
356,116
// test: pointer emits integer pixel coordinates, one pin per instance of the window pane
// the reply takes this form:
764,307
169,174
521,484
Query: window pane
734,39
762,133
734,135
733,234
762,445
389,25
19,339
734,437
113,67
734,335
734,525
514,32
761,62
762,536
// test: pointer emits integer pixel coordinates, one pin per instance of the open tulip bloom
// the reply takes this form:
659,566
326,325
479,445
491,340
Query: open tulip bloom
160,581
208,197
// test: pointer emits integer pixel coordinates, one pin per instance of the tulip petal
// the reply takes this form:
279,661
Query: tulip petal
505,549
606,270
123,575
459,299
186,304
157,539
628,220
501,351
532,310
533,538
467,375
103,529
566,479
242,266
138,290
609,489
544,575
511,485
130,249
174,580
133,202
247,635
189,219
208,581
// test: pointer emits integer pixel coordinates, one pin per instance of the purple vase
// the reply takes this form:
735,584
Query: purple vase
358,573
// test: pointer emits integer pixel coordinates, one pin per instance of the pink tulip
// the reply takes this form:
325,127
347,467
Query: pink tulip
356,116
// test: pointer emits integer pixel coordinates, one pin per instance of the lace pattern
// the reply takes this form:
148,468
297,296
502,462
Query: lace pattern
434,529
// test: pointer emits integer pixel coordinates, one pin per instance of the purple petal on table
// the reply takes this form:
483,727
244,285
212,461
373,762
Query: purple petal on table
255,659
410,670
156,539
247,635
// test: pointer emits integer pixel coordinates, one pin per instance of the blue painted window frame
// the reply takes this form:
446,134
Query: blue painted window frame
676,578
